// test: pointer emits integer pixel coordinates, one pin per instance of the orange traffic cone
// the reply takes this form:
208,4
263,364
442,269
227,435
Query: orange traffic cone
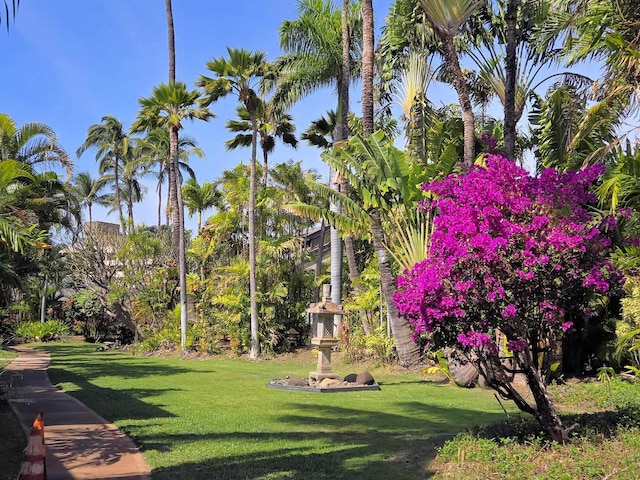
32,467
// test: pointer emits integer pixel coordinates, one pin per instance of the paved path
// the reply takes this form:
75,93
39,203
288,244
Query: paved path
80,444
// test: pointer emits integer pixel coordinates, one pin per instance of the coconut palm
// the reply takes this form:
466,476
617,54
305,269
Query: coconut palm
239,73
569,134
272,124
198,198
603,31
89,191
447,16
111,143
34,144
168,107
153,152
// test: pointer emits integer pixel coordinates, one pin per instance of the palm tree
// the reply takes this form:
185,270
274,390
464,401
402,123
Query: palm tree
89,190
272,124
34,144
198,198
14,176
15,235
568,134
111,142
167,107
447,16
239,73
607,32
320,132
410,92
154,148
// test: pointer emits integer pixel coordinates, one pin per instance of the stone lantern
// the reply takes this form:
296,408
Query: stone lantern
321,315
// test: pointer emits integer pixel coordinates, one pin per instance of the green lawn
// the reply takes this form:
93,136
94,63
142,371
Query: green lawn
202,419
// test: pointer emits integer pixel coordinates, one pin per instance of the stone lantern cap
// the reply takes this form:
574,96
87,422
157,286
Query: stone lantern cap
325,306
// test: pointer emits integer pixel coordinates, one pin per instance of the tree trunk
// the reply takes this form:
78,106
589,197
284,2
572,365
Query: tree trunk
367,67
545,412
265,167
253,287
173,199
464,373
408,350
510,81
172,42
319,258
460,85
345,76
178,232
43,303
159,204
120,314
116,177
130,212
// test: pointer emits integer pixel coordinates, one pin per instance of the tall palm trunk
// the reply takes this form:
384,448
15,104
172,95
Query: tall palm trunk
172,42
116,179
510,81
253,287
175,190
265,167
319,258
460,86
178,231
367,91
159,203
130,212
408,350
367,67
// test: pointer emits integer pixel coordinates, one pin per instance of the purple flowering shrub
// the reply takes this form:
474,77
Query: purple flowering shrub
509,253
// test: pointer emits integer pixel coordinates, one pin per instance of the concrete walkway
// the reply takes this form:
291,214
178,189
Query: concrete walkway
79,443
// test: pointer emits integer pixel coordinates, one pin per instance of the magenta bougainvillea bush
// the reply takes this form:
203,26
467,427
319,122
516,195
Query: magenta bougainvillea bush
509,252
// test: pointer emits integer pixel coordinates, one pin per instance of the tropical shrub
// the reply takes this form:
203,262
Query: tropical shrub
512,254
43,332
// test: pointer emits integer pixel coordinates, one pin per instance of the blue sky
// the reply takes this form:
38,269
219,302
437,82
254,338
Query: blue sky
68,63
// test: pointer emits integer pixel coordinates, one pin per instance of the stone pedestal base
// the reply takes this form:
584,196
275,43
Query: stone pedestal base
319,376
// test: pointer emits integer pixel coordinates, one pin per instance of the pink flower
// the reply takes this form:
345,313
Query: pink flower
516,345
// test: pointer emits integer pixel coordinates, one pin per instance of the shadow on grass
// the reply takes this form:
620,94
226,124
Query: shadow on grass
112,404
110,363
343,443
603,424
